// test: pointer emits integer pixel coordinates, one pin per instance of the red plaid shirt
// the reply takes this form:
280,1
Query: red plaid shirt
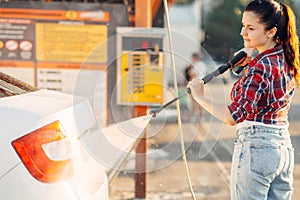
264,93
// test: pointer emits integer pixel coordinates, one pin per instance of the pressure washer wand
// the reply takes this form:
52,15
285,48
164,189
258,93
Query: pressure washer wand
223,68
156,111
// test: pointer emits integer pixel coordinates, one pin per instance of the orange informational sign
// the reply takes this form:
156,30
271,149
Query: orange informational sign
41,35
19,14
57,49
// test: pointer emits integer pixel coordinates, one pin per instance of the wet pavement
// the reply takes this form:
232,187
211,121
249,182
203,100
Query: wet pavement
209,146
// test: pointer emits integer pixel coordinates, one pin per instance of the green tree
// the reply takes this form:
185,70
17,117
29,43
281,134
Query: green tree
222,28
185,1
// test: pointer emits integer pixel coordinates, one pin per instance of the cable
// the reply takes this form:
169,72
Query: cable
177,103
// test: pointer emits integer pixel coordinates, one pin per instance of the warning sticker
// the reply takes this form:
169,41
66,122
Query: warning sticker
26,45
11,45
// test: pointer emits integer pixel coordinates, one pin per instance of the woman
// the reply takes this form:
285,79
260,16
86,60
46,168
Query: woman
263,159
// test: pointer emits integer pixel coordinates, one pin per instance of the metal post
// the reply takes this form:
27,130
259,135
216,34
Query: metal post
141,159
143,18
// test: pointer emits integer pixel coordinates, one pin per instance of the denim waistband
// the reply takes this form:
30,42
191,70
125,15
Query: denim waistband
262,130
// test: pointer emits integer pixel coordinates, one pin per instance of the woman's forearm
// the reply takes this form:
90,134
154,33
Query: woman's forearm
218,110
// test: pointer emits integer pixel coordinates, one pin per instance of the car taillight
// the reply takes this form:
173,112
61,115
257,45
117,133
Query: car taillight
46,153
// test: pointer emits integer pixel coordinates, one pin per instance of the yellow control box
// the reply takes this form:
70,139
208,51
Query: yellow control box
140,67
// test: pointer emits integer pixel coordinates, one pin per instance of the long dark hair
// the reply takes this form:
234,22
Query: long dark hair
273,14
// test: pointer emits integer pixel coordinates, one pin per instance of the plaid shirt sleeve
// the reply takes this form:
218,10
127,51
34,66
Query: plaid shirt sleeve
253,86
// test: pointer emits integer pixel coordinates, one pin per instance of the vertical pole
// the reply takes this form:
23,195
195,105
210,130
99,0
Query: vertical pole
143,18
143,13
141,159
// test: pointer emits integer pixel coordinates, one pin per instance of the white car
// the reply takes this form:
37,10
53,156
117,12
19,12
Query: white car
43,156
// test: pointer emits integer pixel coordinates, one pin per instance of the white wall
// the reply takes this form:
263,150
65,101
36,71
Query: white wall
185,29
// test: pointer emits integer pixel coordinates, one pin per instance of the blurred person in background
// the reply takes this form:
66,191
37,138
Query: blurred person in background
199,65
196,70
263,158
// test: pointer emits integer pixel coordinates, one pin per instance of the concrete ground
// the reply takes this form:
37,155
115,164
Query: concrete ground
209,146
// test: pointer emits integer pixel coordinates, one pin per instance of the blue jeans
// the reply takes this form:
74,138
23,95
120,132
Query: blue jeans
262,164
